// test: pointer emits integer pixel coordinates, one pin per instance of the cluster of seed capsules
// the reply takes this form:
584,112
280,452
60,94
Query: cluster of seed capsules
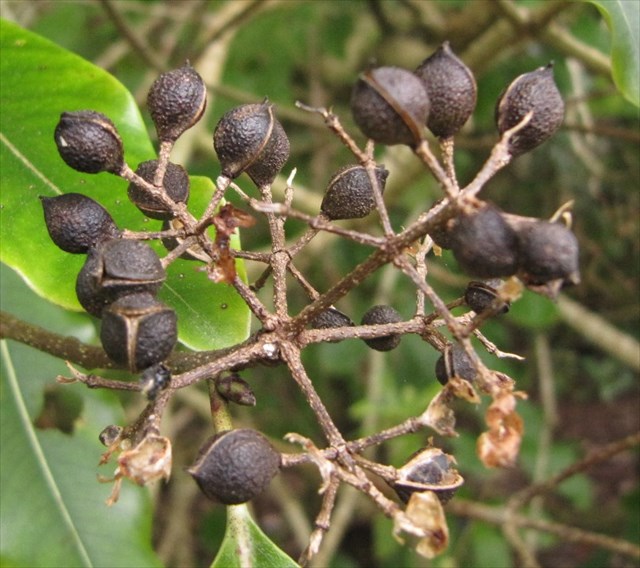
121,277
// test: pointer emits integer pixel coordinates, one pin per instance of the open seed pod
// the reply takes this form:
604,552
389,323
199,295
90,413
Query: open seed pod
429,469
481,296
390,105
454,362
249,138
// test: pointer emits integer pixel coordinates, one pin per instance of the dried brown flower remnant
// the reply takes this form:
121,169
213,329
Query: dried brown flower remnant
499,446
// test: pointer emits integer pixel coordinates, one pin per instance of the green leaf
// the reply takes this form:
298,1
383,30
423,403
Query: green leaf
246,546
623,19
39,82
53,511
534,312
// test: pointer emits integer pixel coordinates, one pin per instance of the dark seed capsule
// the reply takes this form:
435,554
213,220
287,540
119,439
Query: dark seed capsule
89,142
76,222
116,268
382,314
390,105
175,185
138,331
428,470
349,194
331,318
250,139
484,244
176,101
531,92
452,91
548,251
235,466
481,296
454,362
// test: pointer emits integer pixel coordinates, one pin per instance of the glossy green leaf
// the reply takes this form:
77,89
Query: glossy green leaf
245,545
623,19
39,82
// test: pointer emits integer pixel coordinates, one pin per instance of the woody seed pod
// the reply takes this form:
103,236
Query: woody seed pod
89,142
176,101
349,194
138,331
235,466
249,138
531,92
452,91
390,105
454,362
76,222
382,314
481,296
484,244
116,268
175,185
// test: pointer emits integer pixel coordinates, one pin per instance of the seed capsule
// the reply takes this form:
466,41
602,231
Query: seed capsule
548,251
331,318
454,362
138,331
452,91
89,142
382,314
249,138
175,185
349,194
235,466
390,105
531,92
484,244
428,470
234,388
176,101
76,222
116,268
481,296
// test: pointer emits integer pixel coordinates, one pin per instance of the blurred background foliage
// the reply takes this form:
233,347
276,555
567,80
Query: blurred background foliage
583,389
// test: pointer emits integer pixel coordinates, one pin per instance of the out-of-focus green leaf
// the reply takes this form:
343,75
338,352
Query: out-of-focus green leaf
53,511
245,544
39,81
623,19
534,312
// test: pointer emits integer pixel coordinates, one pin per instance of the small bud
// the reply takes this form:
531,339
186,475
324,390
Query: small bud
89,142
235,389
176,101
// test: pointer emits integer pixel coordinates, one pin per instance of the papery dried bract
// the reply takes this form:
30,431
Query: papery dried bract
500,445
424,518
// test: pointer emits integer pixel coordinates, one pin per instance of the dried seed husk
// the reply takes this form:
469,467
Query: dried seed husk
76,222
138,331
89,142
390,105
176,101
175,184
249,138
452,91
235,466
535,92
349,193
